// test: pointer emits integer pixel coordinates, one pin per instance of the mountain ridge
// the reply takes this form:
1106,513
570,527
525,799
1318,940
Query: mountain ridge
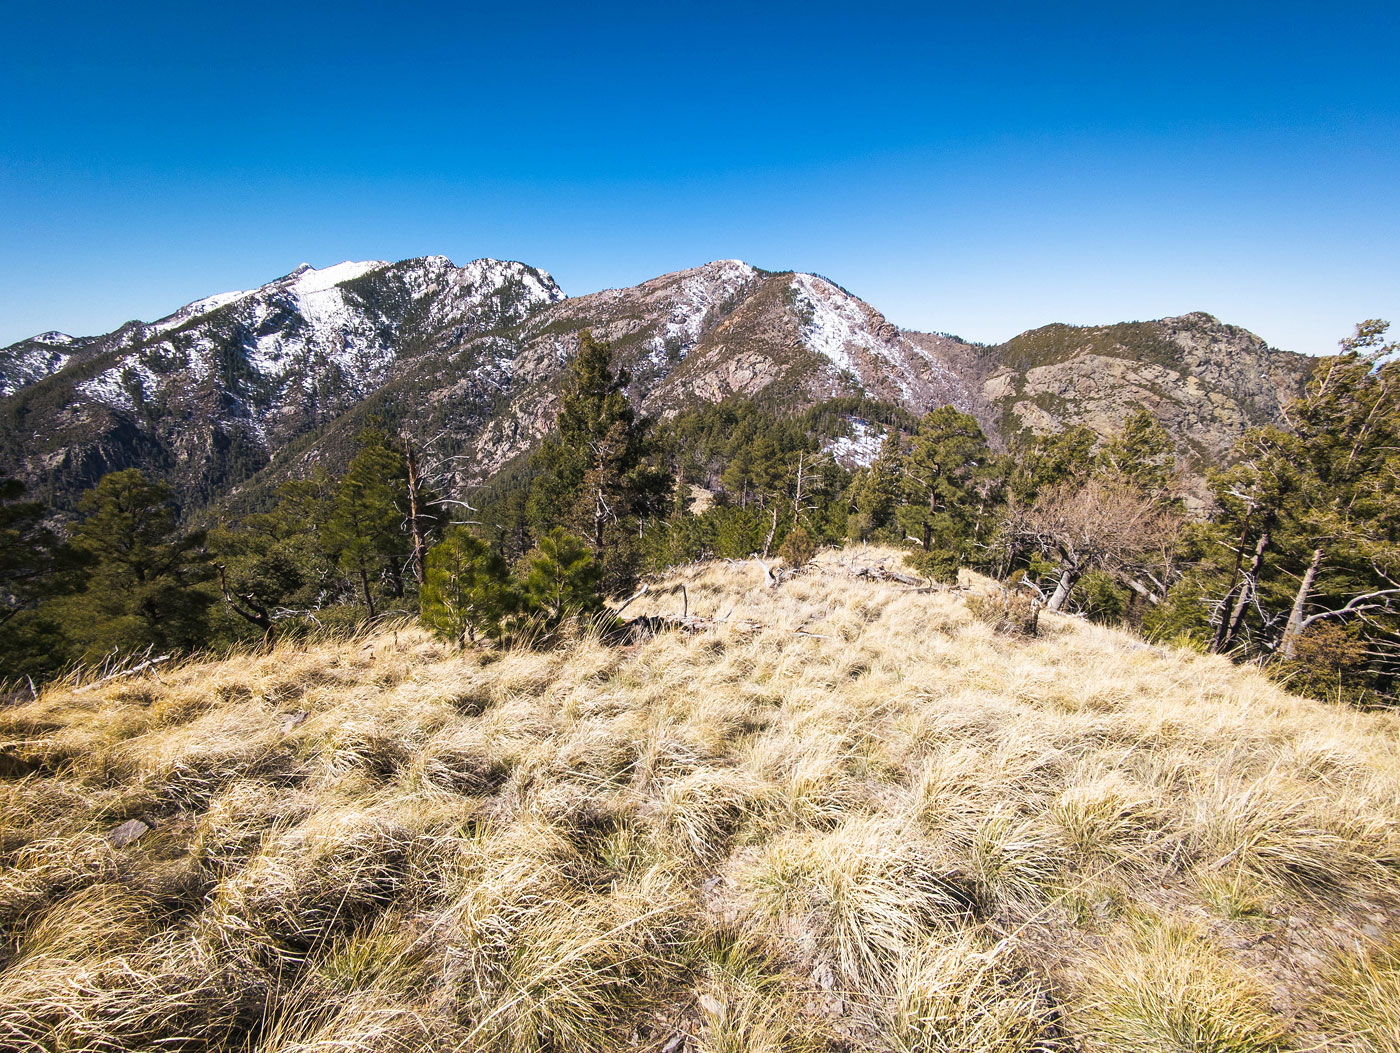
210,395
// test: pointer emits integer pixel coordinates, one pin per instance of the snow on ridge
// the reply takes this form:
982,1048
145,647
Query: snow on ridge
858,449
310,280
194,310
53,338
838,322
32,364
111,385
699,294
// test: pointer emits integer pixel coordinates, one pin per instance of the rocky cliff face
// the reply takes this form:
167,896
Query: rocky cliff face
1204,380
272,382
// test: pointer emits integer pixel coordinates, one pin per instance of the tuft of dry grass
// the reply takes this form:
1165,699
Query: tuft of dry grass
1362,1000
962,996
852,816
1164,988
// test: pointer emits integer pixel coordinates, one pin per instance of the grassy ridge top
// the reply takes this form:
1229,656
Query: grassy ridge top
850,817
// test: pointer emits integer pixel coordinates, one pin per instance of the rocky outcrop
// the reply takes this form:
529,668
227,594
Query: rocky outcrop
1204,380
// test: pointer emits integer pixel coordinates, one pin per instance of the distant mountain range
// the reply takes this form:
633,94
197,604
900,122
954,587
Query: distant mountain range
240,389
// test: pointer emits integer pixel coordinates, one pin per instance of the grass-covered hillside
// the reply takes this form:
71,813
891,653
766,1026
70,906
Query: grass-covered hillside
846,815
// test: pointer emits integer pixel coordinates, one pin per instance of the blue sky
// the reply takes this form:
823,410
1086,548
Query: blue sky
973,171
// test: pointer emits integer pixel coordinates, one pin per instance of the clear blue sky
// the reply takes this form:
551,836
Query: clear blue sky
980,169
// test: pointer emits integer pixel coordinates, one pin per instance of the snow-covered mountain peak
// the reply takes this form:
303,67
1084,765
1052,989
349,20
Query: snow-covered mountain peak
53,338
308,279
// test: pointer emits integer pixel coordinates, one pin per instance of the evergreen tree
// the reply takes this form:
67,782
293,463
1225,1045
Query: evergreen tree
467,589
877,493
31,556
34,566
1047,460
276,564
562,578
1301,558
592,472
144,577
1142,453
365,528
951,489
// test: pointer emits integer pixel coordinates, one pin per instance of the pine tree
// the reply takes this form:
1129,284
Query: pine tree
951,484
466,589
365,529
593,476
877,493
1142,453
562,578
144,578
275,564
31,555
34,566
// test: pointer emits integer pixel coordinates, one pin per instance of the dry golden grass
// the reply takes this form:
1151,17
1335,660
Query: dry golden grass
873,823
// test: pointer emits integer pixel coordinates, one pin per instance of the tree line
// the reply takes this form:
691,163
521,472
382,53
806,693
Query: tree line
1296,563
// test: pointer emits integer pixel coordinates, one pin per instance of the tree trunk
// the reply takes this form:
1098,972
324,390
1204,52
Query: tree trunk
1217,644
364,584
1231,625
415,513
1288,644
250,610
1068,577
768,541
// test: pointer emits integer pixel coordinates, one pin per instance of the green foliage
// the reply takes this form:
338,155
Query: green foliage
144,577
952,488
467,589
364,531
592,474
1142,452
797,548
561,578
1102,599
275,565
878,492
35,565
1047,460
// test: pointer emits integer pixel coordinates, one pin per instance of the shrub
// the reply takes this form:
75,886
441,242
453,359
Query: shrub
798,548
1012,610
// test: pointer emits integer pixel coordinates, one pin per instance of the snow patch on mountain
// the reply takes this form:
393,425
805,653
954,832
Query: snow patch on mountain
122,384
859,448
31,361
195,310
700,295
306,333
833,322
309,280
839,327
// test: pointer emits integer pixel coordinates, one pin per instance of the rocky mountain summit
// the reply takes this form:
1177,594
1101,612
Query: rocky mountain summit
1204,380
270,382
